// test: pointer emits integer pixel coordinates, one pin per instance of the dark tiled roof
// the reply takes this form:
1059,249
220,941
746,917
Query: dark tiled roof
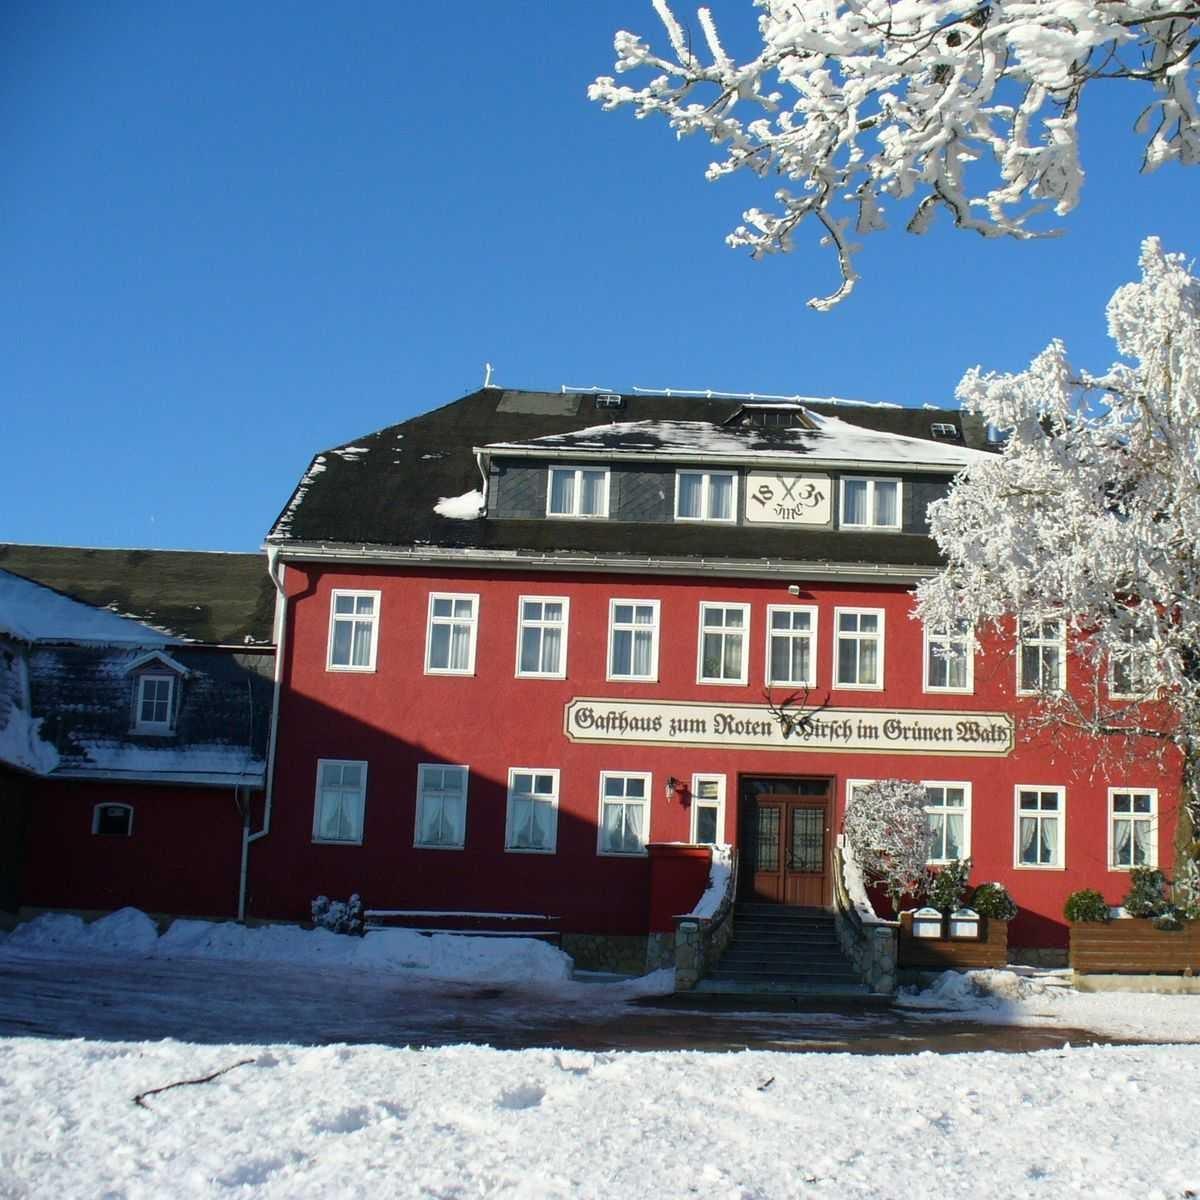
204,597
380,489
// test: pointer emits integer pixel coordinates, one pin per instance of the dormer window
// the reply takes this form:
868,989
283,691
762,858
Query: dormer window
870,503
154,710
705,495
577,492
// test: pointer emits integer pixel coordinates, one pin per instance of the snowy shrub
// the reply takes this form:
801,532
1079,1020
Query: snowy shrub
992,900
1185,892
339,916
945,887
1147,896
1086,905
889,834
1168,918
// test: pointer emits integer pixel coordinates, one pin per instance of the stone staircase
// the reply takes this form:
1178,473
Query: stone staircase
782,949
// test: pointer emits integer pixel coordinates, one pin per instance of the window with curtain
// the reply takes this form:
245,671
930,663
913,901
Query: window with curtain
441,806
450,648
791,645
341,795
1134,827
869,503
1040,816
949,655
947,808
624,813
577,492
154,709
633,639
859,648
1042,660
353,630
532,822
723,632
542,636
705,495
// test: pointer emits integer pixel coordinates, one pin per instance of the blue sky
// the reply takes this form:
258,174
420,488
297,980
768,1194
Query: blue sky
234,235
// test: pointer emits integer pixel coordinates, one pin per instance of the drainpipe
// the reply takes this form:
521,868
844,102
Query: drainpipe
275,569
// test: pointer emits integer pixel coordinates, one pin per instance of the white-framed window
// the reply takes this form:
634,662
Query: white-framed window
869,503
792,645
949,658
1040,826
705,495
948,809
341,798
450,644
542,636
708,810
577,492
154,704
441,807
858,649
633,639
624,812
1127,673
724,629
353,630
531,825
112,820
1132,828
1042,656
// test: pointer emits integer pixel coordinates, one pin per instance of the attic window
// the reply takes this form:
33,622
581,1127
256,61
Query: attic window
772,416
944,430
608,400
154,706
112,820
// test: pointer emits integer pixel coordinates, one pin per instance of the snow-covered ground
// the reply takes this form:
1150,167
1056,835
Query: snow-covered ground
288,1120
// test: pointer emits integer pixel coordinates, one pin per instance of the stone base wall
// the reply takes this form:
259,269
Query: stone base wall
660,951
1037,956
620,954
871,950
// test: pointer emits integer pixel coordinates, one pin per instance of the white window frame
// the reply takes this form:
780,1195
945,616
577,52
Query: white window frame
577,493
811,635
551,797
334,616
128,809
473,621
932,637
322,763
1150,819
646,802
420,801
706,478
943,810
857,636
722,632
160,728
542,624
870,481
697,780
1111,680
1060,813
1059,642
652,676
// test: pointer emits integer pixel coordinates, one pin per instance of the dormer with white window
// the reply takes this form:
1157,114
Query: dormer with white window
157,686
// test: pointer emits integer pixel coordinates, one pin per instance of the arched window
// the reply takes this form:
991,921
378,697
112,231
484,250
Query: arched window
113,820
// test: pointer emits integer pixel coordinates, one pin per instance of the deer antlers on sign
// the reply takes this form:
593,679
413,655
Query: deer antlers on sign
793,713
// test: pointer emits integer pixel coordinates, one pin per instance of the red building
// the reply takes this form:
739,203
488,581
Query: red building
528,639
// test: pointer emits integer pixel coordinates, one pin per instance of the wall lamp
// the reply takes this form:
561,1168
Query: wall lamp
679,789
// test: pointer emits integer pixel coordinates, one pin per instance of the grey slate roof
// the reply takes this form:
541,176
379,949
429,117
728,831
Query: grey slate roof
380,490
204,597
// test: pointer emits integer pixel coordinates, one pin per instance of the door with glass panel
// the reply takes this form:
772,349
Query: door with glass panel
786,842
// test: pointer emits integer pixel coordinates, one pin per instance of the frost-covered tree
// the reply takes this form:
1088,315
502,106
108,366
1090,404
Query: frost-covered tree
889,836
1091,518
959,104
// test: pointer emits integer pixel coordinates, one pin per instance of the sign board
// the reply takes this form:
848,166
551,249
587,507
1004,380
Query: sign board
785,499
754,726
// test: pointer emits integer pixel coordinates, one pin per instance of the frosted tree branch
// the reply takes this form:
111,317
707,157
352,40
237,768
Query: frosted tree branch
858,105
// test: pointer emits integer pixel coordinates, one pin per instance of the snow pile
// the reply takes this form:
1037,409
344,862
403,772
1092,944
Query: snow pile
440,956
30,612
719,876
466,507
371,1121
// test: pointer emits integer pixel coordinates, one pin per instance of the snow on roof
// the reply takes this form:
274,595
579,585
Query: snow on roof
466,507
30,612
832,441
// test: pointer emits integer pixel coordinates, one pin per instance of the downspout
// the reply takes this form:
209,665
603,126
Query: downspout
275,569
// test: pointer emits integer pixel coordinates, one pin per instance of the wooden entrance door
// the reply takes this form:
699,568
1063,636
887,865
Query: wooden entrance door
791,849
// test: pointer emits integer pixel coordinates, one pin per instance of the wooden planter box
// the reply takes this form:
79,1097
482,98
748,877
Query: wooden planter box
990,949
1132,946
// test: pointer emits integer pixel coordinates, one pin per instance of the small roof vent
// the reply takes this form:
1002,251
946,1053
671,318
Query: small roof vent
608,400
945,431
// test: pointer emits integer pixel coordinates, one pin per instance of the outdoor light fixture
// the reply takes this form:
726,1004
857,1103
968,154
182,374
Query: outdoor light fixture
678,789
